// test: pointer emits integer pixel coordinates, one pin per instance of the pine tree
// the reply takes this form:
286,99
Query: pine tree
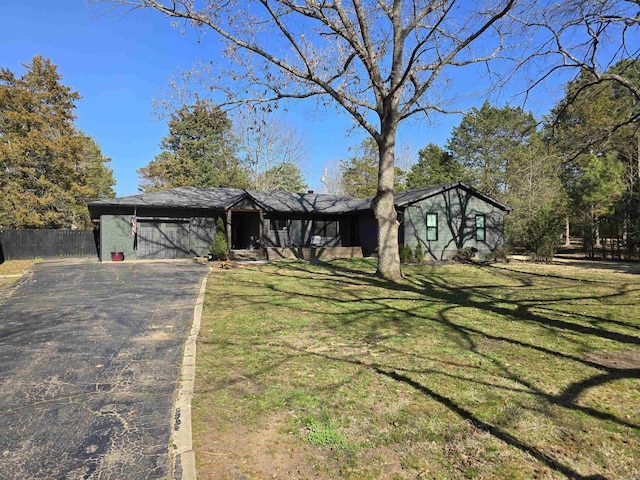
591,128
198,151
360,172
435,166
485,140
283,176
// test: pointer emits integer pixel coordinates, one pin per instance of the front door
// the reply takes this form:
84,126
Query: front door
245,230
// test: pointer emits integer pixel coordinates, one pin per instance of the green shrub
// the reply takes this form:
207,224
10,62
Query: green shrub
542,234
500,254
465,254
419,254
219,248
405,253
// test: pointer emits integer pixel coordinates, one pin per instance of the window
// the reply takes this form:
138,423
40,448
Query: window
278,224
325,228
432,226
480,228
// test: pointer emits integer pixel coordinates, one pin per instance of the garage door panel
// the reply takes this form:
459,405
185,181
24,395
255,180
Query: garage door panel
163,240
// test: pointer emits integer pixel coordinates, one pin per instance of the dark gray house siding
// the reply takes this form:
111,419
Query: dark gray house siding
462,219
282,230
368,233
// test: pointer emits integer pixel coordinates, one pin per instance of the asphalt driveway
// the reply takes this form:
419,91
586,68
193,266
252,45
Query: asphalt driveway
89,363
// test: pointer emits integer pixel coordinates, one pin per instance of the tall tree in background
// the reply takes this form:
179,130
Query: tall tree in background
584,37
272,151
48,168
598,43
435,166
484,143
381,62
360,172
332,177
282,176
501,152
199,150
536,195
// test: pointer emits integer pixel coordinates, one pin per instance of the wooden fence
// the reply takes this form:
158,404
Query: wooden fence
27,244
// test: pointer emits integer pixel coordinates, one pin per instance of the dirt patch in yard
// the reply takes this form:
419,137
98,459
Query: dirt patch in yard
259,452
624,359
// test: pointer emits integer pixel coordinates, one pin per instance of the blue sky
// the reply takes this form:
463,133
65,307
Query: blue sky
119,64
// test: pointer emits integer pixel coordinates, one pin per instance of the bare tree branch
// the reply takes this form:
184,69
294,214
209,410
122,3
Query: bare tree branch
578,36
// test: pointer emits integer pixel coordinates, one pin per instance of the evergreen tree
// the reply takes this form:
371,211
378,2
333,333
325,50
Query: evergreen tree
48,168
594,130
220,248
503,155
435,166
484,143
198,151
283,176
537,196
360,172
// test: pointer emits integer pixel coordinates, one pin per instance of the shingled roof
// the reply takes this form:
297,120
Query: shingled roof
223,198
277,201
181,197
290,202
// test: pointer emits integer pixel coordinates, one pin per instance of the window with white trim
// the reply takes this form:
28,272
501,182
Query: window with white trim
481,229
432,226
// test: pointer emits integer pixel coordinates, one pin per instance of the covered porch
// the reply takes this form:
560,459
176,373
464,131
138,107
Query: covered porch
253,234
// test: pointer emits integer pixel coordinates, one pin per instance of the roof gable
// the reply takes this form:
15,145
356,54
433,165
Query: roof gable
409,197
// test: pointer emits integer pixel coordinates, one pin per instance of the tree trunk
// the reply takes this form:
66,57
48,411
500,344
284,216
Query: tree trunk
385,212
567,232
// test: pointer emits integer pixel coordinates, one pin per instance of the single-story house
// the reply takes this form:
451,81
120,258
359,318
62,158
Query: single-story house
180,223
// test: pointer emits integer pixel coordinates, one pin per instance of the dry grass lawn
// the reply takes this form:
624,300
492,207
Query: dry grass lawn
12,268
501,371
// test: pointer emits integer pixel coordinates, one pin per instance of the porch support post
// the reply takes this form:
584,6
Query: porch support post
229,229
261,222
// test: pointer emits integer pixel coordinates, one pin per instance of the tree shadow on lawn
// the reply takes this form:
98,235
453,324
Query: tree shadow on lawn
518,310
451,297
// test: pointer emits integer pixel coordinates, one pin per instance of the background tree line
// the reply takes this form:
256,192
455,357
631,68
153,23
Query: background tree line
49,169
578,168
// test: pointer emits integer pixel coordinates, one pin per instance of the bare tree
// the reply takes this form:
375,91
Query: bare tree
588,38
381,61
332,177
266,143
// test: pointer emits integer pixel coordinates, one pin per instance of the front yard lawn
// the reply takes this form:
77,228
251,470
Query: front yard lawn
504,371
